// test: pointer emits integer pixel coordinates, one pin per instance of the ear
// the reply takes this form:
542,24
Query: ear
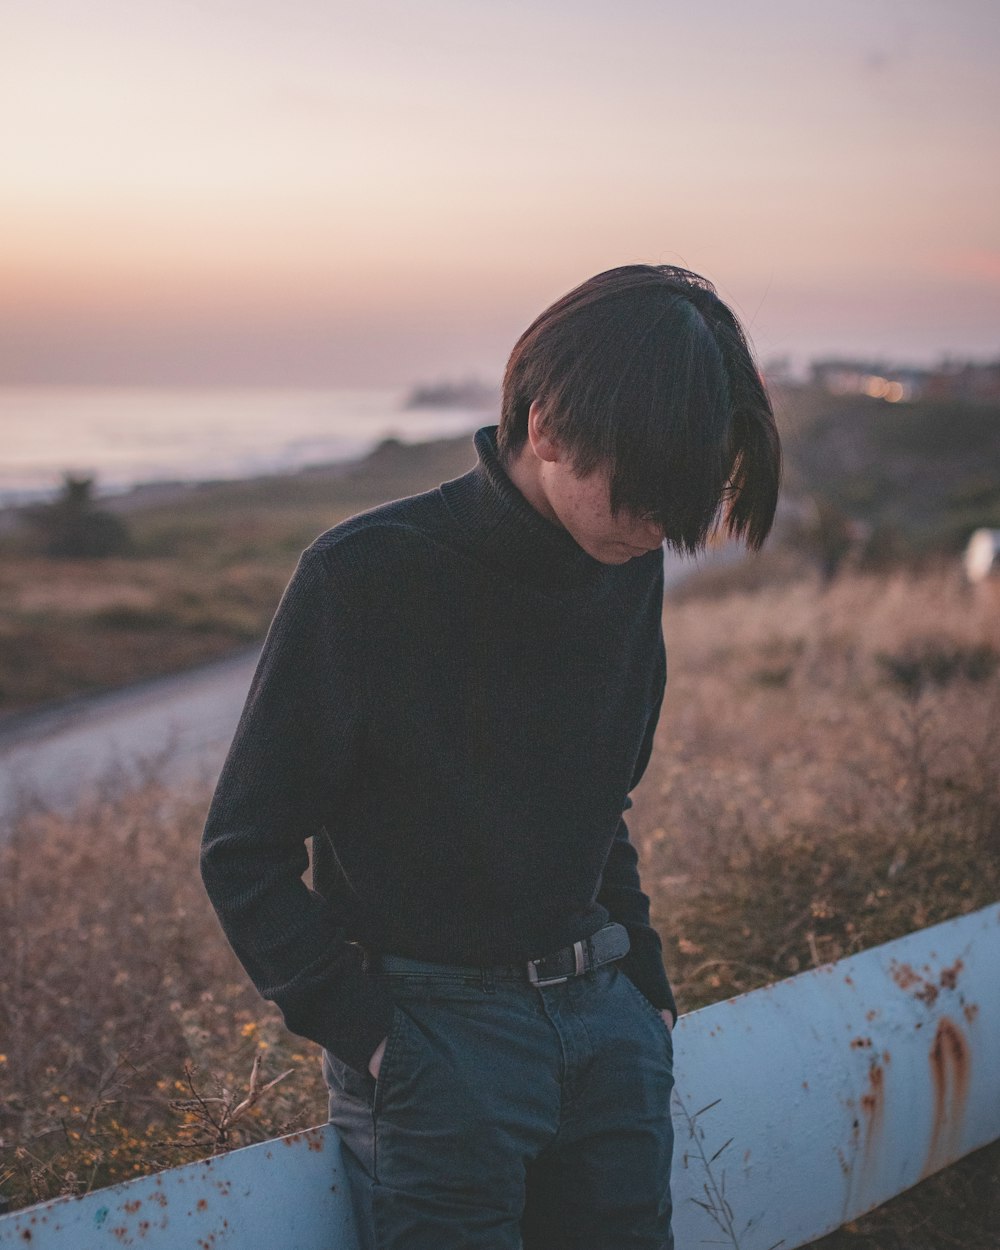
542,443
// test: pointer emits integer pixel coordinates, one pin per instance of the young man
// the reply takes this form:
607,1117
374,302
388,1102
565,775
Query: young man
456,695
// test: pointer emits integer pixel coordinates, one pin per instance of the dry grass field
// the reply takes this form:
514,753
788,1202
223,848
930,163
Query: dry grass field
202,577
802,724
824,780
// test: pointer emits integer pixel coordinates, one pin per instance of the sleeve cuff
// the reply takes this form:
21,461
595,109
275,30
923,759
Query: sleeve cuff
643,965
321,1018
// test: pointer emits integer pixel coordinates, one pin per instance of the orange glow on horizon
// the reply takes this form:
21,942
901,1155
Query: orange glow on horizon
261,165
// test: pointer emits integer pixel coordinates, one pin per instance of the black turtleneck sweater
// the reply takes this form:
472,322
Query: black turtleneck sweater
453,701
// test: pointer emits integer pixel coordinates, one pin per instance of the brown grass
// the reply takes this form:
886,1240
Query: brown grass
121,1005
800,726
70,626
203,578
823,781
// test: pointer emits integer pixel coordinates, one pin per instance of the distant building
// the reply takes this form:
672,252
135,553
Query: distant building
964,379
863,377
972,381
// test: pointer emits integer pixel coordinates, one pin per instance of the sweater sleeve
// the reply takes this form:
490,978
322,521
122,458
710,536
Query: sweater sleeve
621,892
291,760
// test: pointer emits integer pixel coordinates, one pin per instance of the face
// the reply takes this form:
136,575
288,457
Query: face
543,472
582,505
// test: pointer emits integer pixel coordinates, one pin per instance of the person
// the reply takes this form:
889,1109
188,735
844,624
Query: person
456,695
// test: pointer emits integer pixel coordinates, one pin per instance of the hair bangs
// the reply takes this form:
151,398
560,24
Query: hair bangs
643,370
672,415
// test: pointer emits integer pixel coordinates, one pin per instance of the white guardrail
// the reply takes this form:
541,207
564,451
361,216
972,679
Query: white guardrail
797,1107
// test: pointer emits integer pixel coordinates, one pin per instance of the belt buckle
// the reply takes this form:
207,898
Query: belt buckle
580,956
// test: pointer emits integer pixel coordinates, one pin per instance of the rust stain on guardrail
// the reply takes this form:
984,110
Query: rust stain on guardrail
951,1068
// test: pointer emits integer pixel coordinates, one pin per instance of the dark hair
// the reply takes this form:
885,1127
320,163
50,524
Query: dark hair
644,369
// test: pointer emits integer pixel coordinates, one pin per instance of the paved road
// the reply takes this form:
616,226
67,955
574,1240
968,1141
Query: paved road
186,721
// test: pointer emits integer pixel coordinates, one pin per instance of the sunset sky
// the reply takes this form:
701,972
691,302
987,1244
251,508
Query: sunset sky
316,192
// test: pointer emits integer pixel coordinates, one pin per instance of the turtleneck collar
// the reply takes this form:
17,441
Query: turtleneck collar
498,520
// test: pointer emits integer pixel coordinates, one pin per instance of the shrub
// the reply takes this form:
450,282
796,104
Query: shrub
73,526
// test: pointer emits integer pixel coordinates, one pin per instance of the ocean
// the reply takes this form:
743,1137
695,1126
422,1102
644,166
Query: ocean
123,436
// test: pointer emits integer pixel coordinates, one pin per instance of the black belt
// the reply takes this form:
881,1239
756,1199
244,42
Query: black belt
611,942
606,944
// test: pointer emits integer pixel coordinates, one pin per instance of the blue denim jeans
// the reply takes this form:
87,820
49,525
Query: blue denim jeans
509,1116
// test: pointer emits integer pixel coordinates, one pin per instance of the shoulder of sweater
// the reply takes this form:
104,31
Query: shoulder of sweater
370,540
398,536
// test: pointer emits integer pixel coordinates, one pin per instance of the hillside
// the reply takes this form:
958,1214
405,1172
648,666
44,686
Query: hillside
926,473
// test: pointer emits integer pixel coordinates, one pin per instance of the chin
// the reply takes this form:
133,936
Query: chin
618,555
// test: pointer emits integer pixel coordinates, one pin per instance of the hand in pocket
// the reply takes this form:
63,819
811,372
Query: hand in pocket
375,1062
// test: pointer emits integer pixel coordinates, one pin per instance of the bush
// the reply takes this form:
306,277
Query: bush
73,526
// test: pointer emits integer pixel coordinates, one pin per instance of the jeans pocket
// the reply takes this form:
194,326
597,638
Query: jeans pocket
342,1079
665,1029
392,1046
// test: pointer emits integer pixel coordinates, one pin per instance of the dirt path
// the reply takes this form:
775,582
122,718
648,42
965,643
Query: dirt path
59,754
